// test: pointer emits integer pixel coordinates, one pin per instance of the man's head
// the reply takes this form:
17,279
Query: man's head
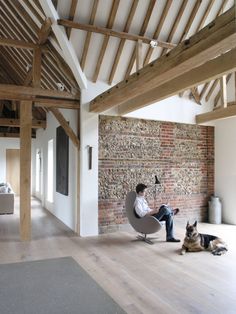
141,188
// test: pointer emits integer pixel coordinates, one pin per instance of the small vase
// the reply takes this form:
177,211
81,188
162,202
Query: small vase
215,210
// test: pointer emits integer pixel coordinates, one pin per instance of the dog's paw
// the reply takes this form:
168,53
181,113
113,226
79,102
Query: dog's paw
182,252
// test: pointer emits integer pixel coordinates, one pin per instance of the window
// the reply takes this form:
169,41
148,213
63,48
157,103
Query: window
38,170
50,171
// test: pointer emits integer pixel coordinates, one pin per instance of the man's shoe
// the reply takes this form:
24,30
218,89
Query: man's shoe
175,211
172,240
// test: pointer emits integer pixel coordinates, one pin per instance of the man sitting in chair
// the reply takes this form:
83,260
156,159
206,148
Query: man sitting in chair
164,213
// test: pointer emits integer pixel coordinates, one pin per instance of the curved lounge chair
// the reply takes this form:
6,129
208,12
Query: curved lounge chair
145,225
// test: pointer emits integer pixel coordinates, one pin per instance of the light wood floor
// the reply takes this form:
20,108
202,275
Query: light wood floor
141,278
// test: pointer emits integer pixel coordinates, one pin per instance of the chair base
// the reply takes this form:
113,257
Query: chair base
145,239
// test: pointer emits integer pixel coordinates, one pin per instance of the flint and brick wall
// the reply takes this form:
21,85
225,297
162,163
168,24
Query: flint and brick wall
133,151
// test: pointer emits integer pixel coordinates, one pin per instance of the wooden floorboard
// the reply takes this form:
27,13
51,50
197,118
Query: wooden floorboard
141,278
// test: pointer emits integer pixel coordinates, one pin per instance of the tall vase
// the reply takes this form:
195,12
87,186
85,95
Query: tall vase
215,210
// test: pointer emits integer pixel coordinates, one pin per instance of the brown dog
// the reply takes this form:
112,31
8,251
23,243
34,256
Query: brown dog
195,242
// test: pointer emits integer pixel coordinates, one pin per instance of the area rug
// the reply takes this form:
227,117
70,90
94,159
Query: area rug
51,286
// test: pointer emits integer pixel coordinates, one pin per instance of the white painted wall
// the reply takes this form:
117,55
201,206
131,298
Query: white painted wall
225,167
64,207
89,178
173,109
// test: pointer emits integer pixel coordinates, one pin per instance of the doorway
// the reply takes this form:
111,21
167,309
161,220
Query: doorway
13,169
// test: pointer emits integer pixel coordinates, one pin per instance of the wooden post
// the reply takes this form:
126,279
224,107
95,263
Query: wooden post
25,169
235,85
223,91
37,67
139,57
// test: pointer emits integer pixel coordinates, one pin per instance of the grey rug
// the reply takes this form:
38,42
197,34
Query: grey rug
57,286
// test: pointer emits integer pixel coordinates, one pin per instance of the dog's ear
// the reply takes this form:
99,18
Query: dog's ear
187,224
195,224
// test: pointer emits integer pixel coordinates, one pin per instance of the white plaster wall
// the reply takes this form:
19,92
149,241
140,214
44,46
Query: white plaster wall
89,178
225,167
173,109
63,207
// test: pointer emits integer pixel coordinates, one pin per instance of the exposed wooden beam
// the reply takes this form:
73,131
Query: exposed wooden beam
25,170
176,23
218,94
110,22
21,20
36,124
60,118
57,103
37,60
71,15
122,41
220,113
207,71
223,91
221,9
141,33
204,89
215,38
111,32
211,90
139,55
16,92
44,31
89,34
17,43
235,86
158,30
66,46
14,134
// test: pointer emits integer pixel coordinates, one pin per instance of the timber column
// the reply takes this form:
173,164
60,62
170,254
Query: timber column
25,169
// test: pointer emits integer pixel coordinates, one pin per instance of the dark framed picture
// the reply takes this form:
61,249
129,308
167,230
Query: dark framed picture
62,161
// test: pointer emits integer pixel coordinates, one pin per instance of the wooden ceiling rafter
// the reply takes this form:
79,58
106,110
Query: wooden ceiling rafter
15,28
122,41
20,9
44,31
69,131
34,11
215,38
20,58
219,113
17,43
89,34
212,88
21,22
14,56
220,11
141,33
110,22
206,71
217,97
175,24
10,69
13,65
16,92
57,66
73,7
54,77
194,91
36,124
113,33
158,30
